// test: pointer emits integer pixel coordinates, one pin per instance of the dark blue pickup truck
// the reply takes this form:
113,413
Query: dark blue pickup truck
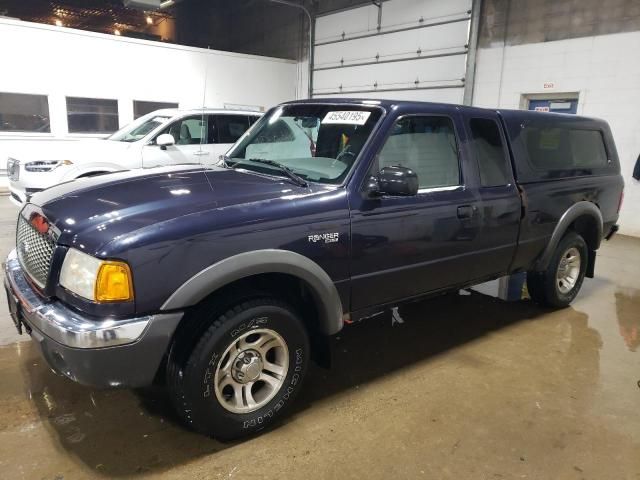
227,281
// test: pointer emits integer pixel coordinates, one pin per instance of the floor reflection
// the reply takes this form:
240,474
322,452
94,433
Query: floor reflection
628,315
124,433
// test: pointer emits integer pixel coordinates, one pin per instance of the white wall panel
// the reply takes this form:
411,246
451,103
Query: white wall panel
399,58
61,62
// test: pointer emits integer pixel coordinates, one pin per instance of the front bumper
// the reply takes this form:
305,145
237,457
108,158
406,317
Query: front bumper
24,184
102,352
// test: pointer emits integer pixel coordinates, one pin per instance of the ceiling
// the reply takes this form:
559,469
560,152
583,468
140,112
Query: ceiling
105,16
259,27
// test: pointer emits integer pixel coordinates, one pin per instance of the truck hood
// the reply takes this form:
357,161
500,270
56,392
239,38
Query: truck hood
91,212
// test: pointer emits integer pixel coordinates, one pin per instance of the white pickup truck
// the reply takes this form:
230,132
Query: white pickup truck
163,137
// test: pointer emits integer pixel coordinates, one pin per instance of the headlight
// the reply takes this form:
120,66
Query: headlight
45,165
96,280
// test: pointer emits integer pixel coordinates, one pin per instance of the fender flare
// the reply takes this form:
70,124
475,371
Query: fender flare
574,212
256,262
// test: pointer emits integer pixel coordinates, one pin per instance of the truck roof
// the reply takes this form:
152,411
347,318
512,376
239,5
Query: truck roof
187,111
410,104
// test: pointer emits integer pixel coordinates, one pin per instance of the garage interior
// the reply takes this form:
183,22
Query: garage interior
466,385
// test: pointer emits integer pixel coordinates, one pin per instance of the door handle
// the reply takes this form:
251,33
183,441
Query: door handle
466,211
200,153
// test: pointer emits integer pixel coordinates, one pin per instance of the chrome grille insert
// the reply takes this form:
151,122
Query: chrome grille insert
35,251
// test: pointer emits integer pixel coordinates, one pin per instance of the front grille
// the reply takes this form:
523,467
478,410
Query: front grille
35,251
13,169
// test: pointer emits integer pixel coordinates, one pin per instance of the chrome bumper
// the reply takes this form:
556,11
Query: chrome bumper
92,351
63,325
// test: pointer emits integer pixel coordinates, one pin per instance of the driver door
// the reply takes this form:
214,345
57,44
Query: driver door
189,135
405,246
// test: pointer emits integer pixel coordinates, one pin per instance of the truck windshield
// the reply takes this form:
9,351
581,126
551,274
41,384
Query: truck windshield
139,128
318,143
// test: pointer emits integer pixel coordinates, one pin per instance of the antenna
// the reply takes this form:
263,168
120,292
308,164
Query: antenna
206,74
204,128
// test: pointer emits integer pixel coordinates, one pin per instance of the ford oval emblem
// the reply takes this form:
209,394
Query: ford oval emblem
40,223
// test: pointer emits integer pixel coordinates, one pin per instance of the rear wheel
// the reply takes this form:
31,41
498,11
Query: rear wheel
244,371
559,284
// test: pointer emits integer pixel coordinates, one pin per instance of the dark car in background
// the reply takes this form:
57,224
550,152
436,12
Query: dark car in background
226,281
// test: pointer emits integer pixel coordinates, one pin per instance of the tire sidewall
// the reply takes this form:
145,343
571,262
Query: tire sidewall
569,241
208,415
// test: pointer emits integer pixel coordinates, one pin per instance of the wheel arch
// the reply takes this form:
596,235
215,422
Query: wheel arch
90,169
91,173
260,262
585,219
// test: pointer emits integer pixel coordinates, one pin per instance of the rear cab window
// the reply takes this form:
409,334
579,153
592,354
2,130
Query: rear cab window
490,152
557,148
552,146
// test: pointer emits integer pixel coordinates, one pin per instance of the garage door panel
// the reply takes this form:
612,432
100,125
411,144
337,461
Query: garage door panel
449,70
395,14
413,10
418,51
442,95
441,39
358,20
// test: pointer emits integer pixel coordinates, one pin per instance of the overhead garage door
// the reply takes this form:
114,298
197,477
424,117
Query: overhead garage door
401,49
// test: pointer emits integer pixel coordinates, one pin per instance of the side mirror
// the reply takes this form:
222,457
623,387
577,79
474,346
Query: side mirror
395,181
164,140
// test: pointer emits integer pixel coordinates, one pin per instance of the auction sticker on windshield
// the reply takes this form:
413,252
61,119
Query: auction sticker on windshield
348,118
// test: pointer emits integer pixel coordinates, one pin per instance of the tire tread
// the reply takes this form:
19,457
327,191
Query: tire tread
541,284
183,356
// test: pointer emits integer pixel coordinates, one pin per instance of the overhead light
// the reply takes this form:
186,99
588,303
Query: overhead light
116,32
58,22
142,4
149,20
166,3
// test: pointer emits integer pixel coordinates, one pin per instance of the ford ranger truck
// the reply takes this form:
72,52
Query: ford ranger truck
225,282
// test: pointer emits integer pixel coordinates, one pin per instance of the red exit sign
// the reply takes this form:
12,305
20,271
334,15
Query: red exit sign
548,85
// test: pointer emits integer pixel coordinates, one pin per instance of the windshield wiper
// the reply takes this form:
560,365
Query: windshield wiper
297,179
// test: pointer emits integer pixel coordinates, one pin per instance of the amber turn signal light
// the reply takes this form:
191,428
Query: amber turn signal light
114,282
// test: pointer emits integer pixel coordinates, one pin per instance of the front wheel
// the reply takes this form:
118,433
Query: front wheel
244,372
558,285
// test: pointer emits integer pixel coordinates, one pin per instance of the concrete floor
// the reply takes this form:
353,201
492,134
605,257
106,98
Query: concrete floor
467,387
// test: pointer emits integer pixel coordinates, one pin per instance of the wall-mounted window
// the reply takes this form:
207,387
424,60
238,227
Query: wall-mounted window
21,112
92,115
141,108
